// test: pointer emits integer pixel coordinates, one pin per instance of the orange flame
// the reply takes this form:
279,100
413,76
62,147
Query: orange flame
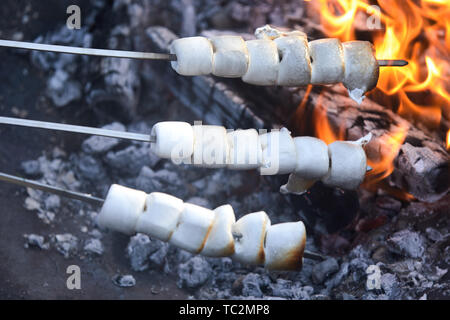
387,148
322,126
414,30
448,139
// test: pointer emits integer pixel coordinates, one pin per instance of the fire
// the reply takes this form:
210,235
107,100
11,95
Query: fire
448,140
416,31
322,127
387,147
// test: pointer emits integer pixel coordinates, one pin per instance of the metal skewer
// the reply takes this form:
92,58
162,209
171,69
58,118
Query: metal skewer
87,51
128,54
77,129
45,187
94,200
392,63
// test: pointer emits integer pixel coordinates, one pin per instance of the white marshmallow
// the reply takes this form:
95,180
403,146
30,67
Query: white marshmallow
263,63
312,158
327,61
348,165
267,32
230,56
194,56
295,65
245,149
193,228
284,246
211,149
220,242
121,209
229,43
296,185
230,64
278,152
160,216
249,233
361,68
174,140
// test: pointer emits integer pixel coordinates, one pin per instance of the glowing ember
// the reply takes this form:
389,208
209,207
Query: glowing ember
416,31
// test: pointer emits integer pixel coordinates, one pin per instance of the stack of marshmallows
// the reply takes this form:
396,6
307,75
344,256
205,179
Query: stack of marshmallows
341,164
280,58
214,233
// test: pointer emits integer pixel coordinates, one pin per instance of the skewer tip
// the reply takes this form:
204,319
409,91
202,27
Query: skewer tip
392,63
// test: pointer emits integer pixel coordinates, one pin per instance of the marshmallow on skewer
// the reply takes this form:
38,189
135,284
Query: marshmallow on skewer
211,149
250,240
161,215
249,233
230,56
263,63
174,140
194,56
245,149
348,164
296,185
278,152
284,246
312,160
327,61
295,65
121,209
193,228
267,32
220,242
361,68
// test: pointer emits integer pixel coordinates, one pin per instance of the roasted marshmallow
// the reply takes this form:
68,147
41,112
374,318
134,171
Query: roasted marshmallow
278,152
193,228
230,56
174,140
211,149
249,233
327,61
220,242
284,246
194,56
121,209
361,68
161,215
263,63
295,65
245,149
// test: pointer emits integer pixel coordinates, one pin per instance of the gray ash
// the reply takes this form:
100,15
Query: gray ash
406,242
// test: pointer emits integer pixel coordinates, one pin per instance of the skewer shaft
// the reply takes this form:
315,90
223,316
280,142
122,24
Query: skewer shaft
127,54
47,188
392,63
87,51
76,129
313,256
